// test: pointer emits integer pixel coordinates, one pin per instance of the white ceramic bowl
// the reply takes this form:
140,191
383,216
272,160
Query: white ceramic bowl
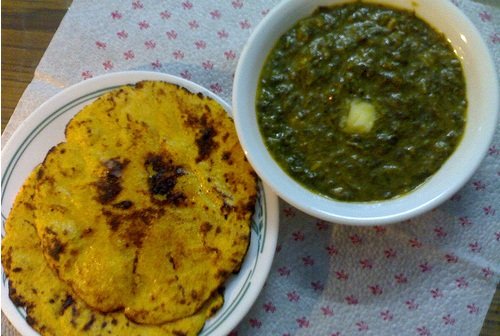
482,95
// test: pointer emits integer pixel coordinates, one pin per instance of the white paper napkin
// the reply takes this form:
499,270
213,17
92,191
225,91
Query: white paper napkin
432,275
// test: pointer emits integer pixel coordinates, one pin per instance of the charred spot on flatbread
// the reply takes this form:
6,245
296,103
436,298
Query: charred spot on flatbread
205,142
109,184
53,244
163,175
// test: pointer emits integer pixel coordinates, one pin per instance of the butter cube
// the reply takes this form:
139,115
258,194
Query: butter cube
361,117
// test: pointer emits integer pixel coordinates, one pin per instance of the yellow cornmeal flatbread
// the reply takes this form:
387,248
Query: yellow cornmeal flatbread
52,307
147,205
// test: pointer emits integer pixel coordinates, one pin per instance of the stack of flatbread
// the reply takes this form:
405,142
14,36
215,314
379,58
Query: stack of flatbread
133,224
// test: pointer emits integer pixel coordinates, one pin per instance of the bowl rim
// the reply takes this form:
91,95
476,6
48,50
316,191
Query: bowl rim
467,43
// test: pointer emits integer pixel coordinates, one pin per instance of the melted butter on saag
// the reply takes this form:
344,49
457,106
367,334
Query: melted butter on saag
404,73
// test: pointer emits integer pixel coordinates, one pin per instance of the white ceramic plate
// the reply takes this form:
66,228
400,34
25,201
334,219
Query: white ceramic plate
45,128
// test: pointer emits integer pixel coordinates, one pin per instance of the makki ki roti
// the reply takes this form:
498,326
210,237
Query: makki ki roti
146,207
52,307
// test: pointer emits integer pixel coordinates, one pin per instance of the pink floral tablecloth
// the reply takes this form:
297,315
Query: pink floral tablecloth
432,275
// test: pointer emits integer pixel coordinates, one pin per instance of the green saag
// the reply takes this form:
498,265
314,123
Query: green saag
384,59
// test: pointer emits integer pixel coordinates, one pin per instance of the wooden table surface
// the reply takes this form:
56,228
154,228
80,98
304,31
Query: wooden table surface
28,27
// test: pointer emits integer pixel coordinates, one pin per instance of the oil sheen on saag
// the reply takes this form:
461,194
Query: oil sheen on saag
385,58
